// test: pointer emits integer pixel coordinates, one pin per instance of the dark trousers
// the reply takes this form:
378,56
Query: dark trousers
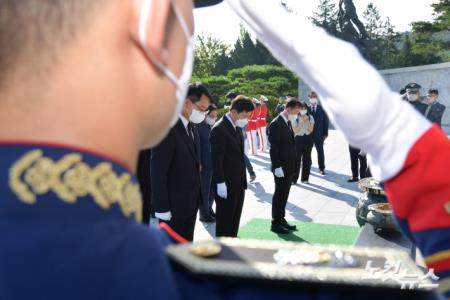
146,205
280,197
228,213
207,194
303,146
318,143
248,165
183,226
354,158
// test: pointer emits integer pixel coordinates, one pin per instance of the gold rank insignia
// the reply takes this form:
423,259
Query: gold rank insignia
70,178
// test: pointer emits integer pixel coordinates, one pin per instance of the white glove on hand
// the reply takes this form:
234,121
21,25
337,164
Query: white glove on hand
165,216
360,104
222,190
279,172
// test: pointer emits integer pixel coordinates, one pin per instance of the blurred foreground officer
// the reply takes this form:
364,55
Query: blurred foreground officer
283,156
175,167
69,217
227,149
204,128
69,142
414,98
435,110
320,132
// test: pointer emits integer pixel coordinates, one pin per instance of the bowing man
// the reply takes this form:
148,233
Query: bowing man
227,150
175,167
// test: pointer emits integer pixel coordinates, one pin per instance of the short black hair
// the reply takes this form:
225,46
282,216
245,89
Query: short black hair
293,103
303,104
211,108
433,91
231,95
402,91
196,91
242,104
32,33
312,94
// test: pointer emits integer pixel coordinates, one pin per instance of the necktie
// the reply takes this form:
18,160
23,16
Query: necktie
290,127
190,133
427,111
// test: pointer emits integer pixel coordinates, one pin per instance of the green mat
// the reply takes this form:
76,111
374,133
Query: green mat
312,233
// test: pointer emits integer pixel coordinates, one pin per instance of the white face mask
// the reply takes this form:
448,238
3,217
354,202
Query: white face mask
210,121
241,123
292,118
313,100
303,112
197,116
181,83
412,97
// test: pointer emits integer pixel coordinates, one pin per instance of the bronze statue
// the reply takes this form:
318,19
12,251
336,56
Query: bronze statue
352,29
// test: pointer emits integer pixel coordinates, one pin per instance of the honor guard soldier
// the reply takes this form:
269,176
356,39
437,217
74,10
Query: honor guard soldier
262,124
252,130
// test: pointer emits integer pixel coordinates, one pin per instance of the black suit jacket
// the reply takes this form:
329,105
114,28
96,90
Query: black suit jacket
282,146
205,147
227,153
175,174
435,113
143,167
321,123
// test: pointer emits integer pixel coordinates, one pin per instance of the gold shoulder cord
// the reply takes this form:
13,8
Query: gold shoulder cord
70,178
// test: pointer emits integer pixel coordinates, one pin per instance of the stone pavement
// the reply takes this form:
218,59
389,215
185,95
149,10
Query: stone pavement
328,199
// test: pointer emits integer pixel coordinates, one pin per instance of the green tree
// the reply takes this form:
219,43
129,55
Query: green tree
382,39
431,40
326,16
209,52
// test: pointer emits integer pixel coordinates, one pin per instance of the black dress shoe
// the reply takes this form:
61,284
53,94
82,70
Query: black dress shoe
208,219
286,225
322,172
353,179
279,229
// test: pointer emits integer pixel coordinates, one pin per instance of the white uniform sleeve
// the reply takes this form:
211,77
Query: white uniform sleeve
354,95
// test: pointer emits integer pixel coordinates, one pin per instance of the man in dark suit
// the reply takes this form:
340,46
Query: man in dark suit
435,110
320,132
204,128
283,157
175,167
227,149
143,175
358,160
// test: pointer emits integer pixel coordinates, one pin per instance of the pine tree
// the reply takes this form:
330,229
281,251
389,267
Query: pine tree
326,16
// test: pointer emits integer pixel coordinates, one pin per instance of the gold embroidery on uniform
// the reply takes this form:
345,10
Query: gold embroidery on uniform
16,171
70,178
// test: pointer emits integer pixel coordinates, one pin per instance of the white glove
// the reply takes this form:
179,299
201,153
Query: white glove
360,104
222,190
279,172
165,216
